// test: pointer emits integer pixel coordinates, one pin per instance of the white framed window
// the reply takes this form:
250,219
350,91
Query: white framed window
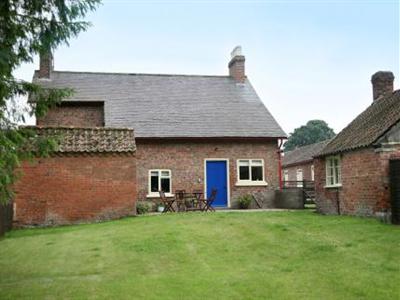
299,177
285,175
159,180
312,172
333,171
250,172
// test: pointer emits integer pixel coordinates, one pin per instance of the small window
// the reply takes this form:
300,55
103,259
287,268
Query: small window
299,177
312,173
251,170
286,175
160,180
333,171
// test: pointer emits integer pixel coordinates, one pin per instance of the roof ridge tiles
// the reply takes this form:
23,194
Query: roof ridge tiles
138,74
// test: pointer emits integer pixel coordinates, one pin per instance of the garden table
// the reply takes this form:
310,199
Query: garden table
189,201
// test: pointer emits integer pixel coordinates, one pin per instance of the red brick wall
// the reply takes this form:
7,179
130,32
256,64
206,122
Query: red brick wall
82,114
365,183
292,171
186,162
68,189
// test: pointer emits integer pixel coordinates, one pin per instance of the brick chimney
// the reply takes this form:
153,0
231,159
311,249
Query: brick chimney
382,84
46,64
236,65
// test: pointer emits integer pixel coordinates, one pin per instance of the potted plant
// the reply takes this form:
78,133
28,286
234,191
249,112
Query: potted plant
244,201
160,207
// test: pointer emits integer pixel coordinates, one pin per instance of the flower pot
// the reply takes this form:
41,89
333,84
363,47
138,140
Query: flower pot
160,208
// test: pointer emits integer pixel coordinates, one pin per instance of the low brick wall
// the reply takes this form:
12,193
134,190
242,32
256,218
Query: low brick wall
74,188
289,199
286,199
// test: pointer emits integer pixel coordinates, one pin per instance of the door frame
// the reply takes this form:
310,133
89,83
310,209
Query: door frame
228,186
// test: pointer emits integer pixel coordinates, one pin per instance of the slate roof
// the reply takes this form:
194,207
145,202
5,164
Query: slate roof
173,105
368,127
72,139
303,154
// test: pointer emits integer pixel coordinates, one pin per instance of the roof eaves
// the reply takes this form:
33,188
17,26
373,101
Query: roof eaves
297,163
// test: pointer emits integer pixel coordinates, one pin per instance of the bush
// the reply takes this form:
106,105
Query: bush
244,201
142,208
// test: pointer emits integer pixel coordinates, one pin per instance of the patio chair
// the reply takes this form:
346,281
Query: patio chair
180,200
197,199
167,202
209,201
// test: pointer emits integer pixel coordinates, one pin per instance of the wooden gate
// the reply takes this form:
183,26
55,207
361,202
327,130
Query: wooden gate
395,190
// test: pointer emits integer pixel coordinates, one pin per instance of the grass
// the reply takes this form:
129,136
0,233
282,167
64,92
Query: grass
259,255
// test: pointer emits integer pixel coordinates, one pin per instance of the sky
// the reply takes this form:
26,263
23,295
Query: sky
306,59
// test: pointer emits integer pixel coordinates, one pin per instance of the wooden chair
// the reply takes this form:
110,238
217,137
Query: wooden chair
180,200
167,202
197,196
209,201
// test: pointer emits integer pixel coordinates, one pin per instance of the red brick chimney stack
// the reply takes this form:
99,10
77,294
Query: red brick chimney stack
382,84
46,65
236,65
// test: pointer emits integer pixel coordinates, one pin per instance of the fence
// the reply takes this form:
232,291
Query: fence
6,217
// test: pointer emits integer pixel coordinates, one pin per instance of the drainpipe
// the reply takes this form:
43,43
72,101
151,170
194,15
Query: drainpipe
338,201
279,152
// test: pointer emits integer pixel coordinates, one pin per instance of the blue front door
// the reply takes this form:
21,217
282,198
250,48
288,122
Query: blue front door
217,179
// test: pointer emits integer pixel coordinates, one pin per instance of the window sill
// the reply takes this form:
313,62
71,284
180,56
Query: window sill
333,186
157,195
251,183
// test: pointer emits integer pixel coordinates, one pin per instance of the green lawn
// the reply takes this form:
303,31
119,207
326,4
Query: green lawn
259,255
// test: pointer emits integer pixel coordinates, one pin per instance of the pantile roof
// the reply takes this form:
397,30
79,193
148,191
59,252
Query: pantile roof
368,127
302,154
72,139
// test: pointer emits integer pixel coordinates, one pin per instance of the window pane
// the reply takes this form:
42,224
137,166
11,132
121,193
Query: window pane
330,163
154,173
336,172
286,176
164,173
256,173
244,163
165,185
256,162
244,173
154,183
331,172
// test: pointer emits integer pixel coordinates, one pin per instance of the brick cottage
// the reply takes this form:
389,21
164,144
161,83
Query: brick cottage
191,132
352,171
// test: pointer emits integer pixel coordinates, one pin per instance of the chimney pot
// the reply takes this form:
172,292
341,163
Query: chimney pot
237,65
46,64
382,84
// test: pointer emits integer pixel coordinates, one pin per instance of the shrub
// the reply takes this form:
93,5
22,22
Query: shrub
142,208
244,201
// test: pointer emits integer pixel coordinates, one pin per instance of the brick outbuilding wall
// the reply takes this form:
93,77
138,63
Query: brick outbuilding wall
292,171
365,188
185,159
71,188
82,114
